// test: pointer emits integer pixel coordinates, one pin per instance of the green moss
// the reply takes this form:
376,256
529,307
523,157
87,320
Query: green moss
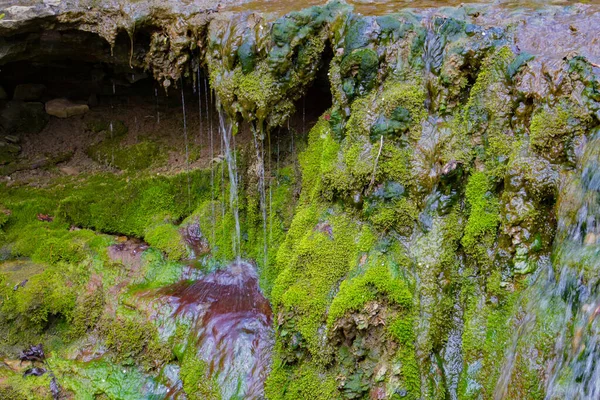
129,207
318,261
197,385
480,230
376,281
100,379
166,237
308,381
486,113
133,157
49,295
319,158
402,330
16,387
399,215
87,312
134,340
553,128
408,96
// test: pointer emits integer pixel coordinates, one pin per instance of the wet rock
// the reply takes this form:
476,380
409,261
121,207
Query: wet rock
29,92
54,389
35,371
3,95
193,236
21,284
23,117
63,108
33,353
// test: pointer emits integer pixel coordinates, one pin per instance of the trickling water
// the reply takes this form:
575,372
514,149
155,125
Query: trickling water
200,127
231,327
212,156
223,156
567,293
157,109
112,112
187,150
226,133
259,150
575,370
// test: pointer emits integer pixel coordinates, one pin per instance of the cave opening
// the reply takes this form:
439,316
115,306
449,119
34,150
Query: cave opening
114,115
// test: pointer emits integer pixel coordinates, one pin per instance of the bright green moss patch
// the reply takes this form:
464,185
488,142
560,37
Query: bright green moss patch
130,207
134,341
402,330
321,257
484,213
100,379
194,375
307,381
377,280
132,157
399,101
166,237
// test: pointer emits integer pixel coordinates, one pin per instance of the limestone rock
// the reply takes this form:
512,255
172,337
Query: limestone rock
29,92
23,117
72,171
63,108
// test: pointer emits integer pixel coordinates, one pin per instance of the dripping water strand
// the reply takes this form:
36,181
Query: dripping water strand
200,127
187,150
223,156
226,133
157,108
112,113
259,149
212,156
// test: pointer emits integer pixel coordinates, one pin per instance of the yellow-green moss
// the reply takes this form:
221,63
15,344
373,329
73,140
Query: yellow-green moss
166,237
127,157
376,281
484,217
553,127
197,385
307,381
317,262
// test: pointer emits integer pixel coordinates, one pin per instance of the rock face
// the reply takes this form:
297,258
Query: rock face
63,108
445,239
23,117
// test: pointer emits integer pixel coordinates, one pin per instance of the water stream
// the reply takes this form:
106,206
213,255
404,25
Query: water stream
230,327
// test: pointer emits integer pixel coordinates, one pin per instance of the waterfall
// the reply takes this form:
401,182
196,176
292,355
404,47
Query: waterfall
575,370
226,128
259,150
187,150
565,294
200,127
212,156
